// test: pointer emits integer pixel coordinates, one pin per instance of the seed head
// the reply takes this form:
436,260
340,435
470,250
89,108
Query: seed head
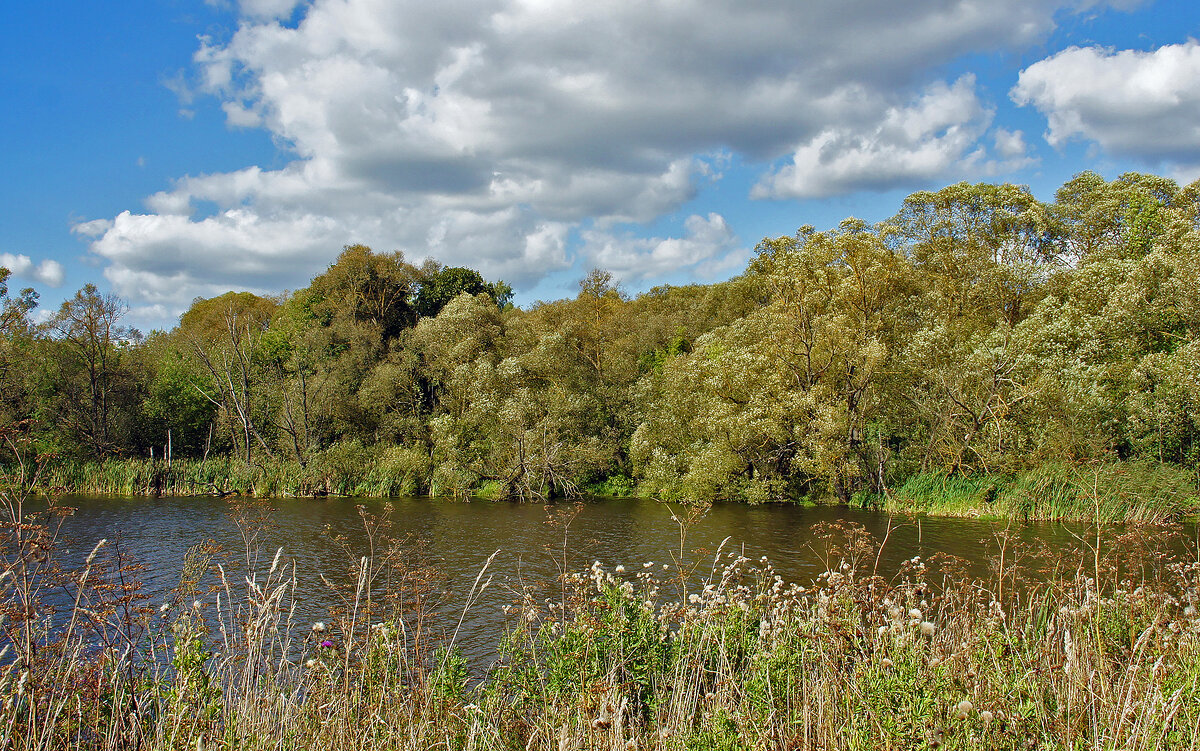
318,627
927,628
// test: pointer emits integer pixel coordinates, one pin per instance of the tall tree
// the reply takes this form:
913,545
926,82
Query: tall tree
89,327
222,334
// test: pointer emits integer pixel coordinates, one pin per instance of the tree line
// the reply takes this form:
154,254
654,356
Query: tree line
977,330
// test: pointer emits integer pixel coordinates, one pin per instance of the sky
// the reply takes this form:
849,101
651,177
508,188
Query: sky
173,149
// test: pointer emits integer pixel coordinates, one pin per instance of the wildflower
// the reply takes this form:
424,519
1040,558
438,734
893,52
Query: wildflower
326,644
620,569
647,564
964,709
927,628
318,627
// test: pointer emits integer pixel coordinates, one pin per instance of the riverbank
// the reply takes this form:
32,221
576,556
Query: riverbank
1136,491
1103,654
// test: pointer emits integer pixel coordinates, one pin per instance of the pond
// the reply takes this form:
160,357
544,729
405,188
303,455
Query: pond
452,541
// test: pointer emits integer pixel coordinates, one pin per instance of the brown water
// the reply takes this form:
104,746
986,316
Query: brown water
458,537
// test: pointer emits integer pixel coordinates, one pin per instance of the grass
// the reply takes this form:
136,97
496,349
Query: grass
343,470
1100,651
1134,491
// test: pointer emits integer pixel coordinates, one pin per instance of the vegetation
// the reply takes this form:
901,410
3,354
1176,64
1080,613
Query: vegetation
1097,652
979,337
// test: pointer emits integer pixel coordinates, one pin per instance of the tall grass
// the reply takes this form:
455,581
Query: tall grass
1139,492
343,469
1102,652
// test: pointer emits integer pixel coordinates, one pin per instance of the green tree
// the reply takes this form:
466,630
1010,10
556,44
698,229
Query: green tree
439,285
92,342
223,335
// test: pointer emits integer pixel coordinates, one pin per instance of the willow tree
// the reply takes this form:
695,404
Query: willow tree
790,394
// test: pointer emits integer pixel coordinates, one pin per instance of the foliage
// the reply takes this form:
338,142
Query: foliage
977,333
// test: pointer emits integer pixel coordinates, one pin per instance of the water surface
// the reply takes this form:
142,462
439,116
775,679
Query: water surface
455,539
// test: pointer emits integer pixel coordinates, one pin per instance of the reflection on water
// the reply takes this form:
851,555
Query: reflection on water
325,536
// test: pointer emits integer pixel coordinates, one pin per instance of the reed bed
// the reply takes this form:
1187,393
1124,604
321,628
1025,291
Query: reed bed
342,470
1099,653
1113,492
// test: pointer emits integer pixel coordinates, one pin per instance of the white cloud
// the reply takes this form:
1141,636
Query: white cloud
707,242
48,272
1137,104
921,140
1010,144
486,132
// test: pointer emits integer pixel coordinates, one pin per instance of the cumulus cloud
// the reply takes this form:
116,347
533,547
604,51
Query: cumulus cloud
49,272
1144,105
1010,144
918,141
706,245
489,132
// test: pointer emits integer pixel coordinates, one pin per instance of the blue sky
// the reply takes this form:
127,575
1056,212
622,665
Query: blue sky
174,149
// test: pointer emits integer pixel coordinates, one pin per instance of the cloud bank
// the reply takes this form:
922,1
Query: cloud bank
520,136
1144,105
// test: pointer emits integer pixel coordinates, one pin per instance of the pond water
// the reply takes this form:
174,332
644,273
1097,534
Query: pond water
455,539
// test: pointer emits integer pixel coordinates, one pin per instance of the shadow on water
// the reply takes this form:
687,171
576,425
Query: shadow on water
325,537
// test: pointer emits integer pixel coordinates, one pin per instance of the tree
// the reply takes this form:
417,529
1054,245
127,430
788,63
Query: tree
366,287
88,326
15,331
440,285
222,334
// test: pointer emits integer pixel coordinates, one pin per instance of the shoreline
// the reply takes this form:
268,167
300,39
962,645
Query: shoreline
1136,492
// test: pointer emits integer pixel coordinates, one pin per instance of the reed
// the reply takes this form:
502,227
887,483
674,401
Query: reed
1133,491
342,470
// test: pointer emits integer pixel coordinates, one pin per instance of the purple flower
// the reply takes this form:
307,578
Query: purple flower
327,644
